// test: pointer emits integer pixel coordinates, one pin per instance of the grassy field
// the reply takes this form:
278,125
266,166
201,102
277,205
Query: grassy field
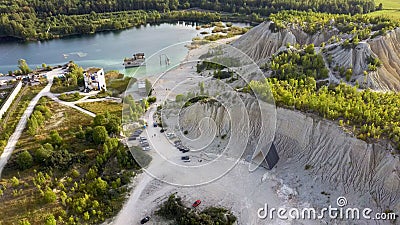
102,107
70,97
63,120
389,4
391,9
58,89
14,113
116,83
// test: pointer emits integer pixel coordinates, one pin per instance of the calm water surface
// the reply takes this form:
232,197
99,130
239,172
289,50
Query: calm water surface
105,50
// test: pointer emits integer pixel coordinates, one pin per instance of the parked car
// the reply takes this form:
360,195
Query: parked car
171,135
144,144
185,150
137,132
196,203
142,138
154,124
185,158
146,148
131,138
145,220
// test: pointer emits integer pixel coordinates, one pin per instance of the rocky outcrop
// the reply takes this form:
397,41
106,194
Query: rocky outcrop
261,42
387,49
350,164
355,58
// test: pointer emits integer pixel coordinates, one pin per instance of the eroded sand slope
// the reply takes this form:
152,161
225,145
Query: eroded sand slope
260,43
367,174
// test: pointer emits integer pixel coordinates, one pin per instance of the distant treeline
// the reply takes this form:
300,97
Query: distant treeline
35,19
263,7
27,26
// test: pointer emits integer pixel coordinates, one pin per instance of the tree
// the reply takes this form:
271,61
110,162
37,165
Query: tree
151,99
179,98
100,120
349,73
23,66
100,134
55,138
148,86
43,153
113,125
33,125
24,160
50,220
201,85
310,49
49,196
86,216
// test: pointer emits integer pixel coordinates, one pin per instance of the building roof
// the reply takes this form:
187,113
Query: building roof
92,70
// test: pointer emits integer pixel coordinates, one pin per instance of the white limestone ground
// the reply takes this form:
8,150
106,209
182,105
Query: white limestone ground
319,161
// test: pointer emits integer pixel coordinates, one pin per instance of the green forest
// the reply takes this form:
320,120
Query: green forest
312,22
263,7
295,63
368,114
41,20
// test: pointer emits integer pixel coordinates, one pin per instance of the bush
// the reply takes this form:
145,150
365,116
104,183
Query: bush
100,134
152,99
43,153
49,196
24,160
14,182
50,220
174,209
55,138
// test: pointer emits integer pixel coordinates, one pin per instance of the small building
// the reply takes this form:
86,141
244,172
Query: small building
94,79
4,80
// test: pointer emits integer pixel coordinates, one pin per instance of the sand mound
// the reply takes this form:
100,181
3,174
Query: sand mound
261,42
368,174
387,49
